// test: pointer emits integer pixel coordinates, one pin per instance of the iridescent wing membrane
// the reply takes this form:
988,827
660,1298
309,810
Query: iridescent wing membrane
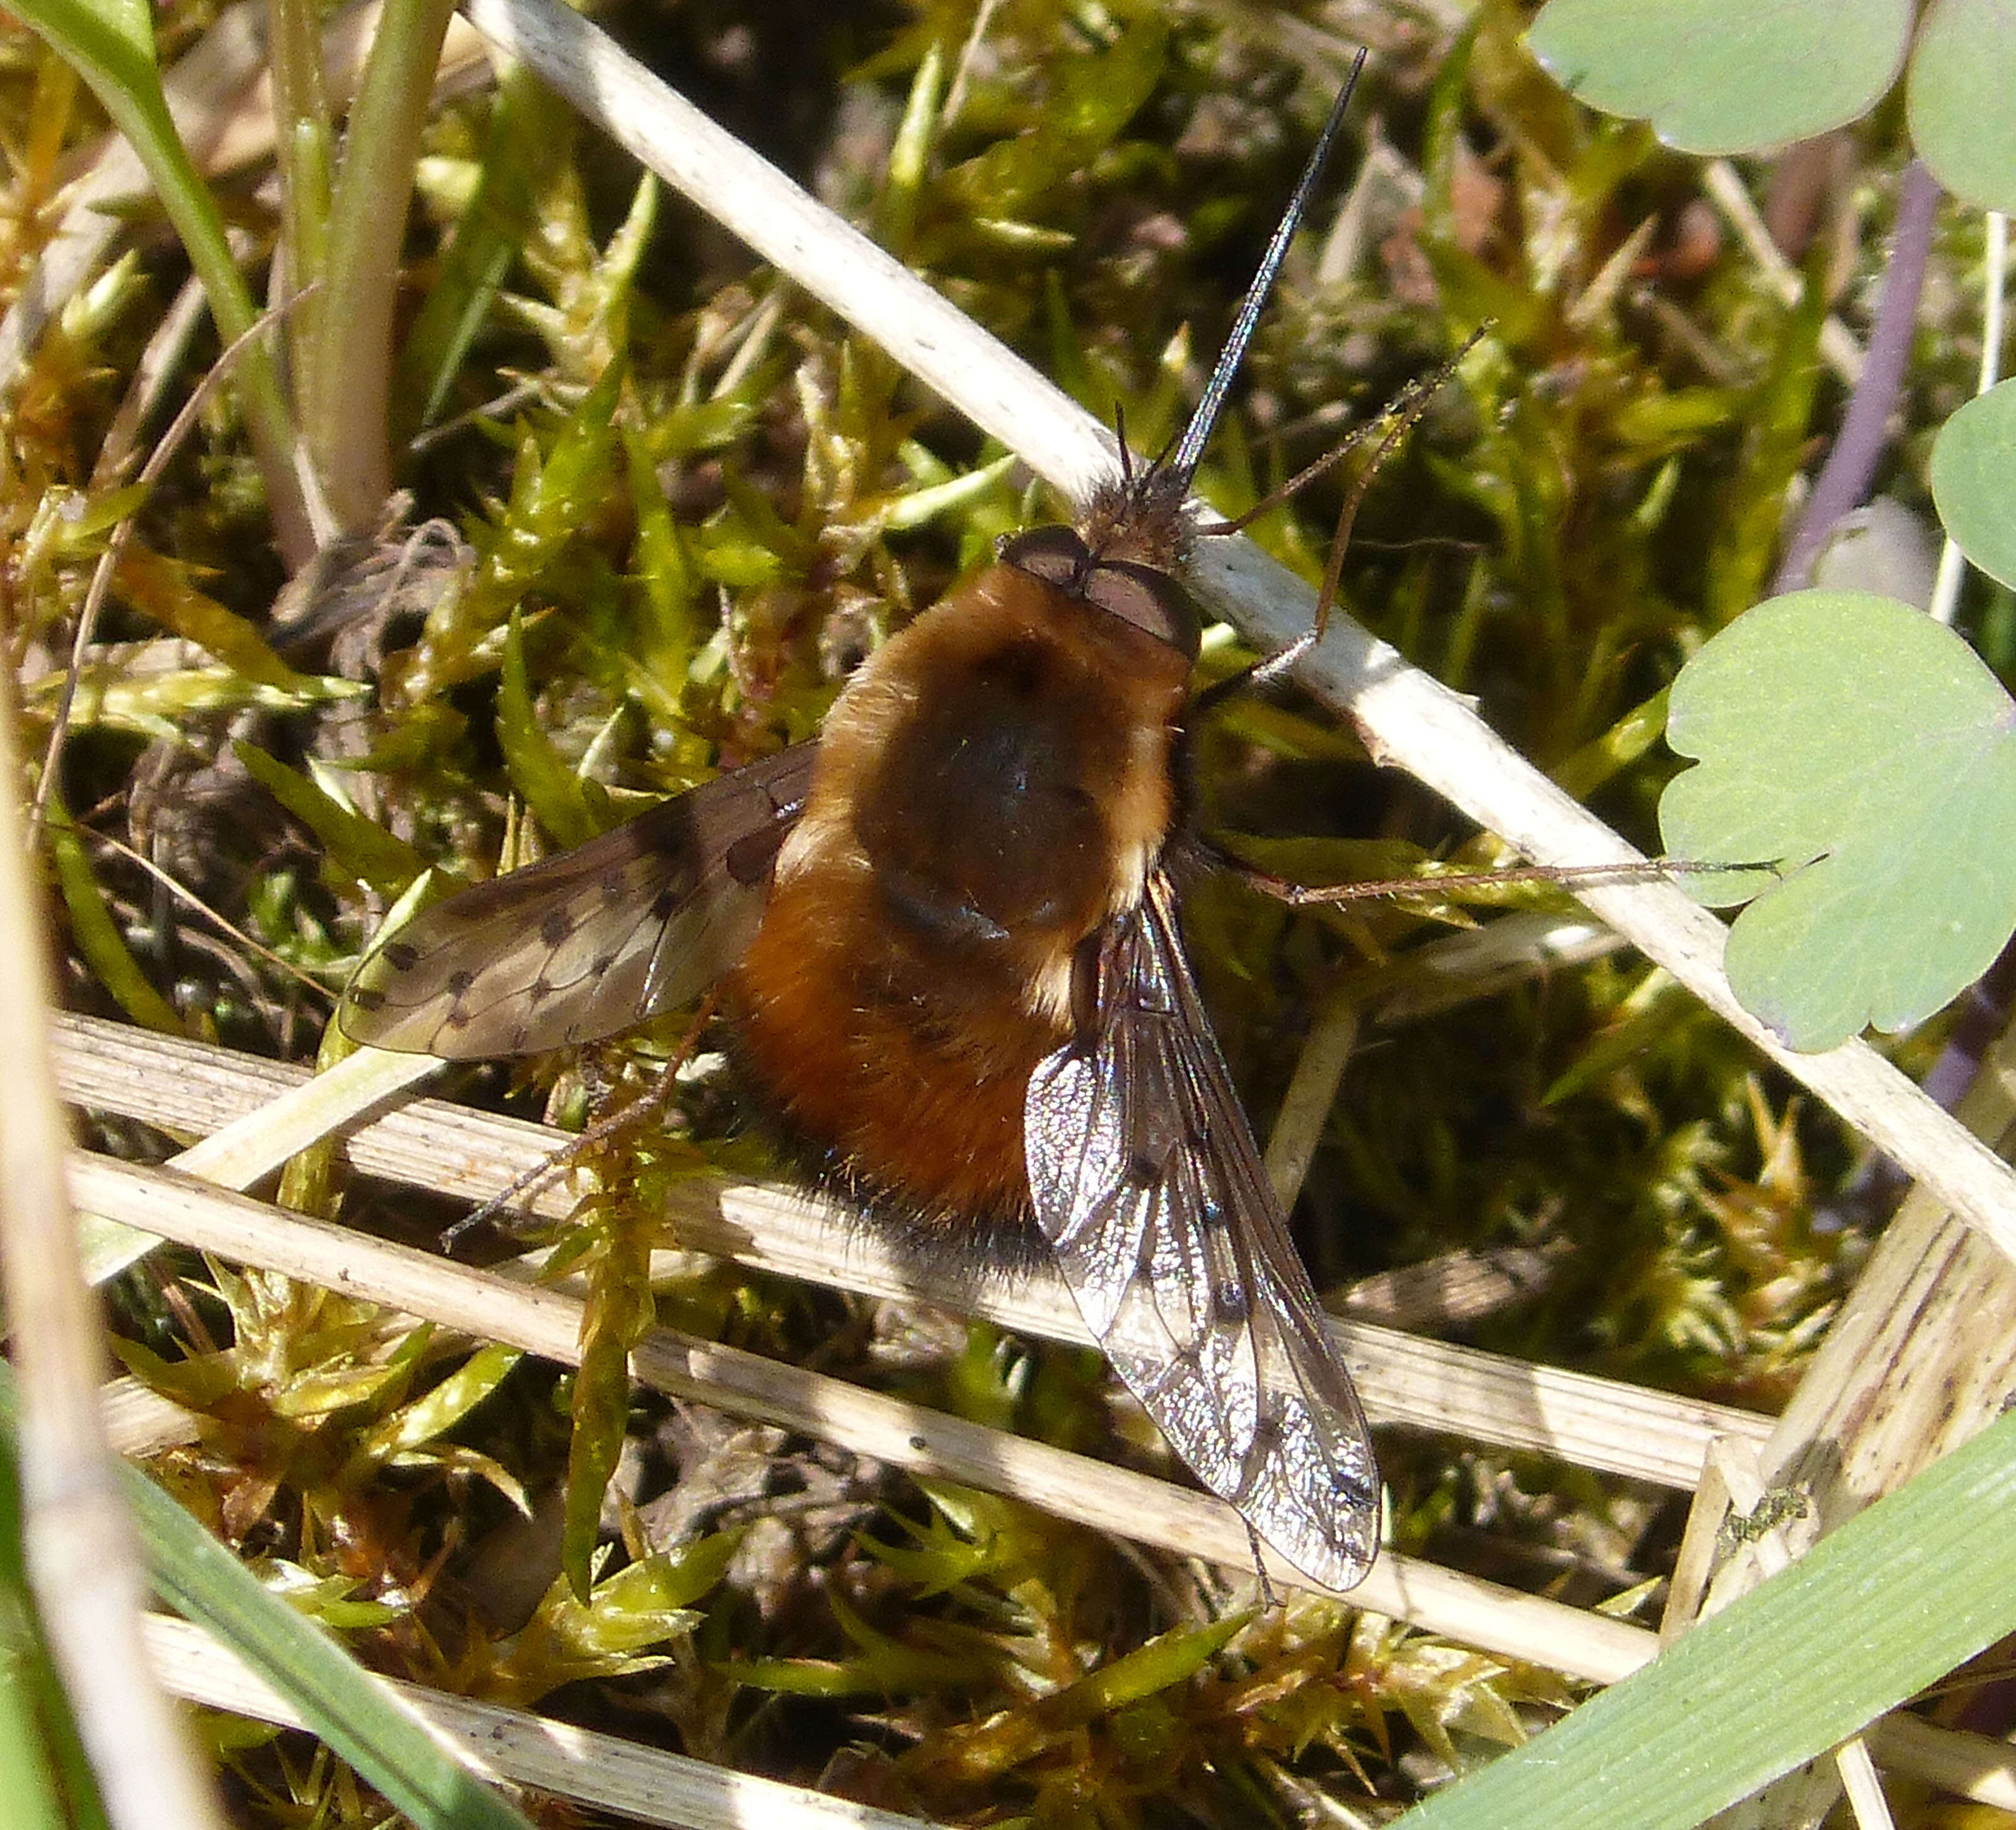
593,941
1145,1180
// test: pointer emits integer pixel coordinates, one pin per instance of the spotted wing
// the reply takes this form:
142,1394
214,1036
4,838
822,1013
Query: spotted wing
1145,1180
593,941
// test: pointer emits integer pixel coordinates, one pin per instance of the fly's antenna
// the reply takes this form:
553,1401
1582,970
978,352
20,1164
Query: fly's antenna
1391,421
1141,516
1182,463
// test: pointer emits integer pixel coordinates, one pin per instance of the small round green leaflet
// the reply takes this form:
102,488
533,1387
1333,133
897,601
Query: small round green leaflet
1889,1603
1855,732
1963,73
1726,76
1974,480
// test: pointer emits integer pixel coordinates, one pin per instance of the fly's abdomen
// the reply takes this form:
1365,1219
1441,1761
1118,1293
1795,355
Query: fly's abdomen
903,1080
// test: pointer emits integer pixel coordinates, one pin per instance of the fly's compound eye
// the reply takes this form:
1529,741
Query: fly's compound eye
1055,556
1146,599
1142,597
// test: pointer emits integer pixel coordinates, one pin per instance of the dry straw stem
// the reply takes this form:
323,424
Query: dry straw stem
546,1323
656,1787
600,1771
236,1152
1404,716
184,1086
1923,1354
921,1442
1919,1360
83,1557
1849,1769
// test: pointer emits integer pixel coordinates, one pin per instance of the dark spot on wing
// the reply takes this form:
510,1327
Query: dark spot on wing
664,903
603,963
365,998
557,926
460,981
400,956
748,858
1231,1302
613,884
539,990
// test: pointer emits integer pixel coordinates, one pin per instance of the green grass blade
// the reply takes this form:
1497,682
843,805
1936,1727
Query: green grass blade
1889,1603
345,414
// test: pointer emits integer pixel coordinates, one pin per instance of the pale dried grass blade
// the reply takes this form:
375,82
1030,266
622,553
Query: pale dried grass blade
1921,1358
1517,1625
1601,1424
258,1141
595,1770
922,1442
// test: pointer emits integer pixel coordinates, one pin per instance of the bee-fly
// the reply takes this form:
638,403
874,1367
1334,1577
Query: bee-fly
952,969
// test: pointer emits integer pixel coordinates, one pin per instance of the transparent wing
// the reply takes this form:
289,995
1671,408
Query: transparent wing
1145,1180
592,941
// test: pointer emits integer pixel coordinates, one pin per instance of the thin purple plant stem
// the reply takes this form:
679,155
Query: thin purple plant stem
1844,478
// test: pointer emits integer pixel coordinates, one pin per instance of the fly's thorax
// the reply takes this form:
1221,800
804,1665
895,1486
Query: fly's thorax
998,774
